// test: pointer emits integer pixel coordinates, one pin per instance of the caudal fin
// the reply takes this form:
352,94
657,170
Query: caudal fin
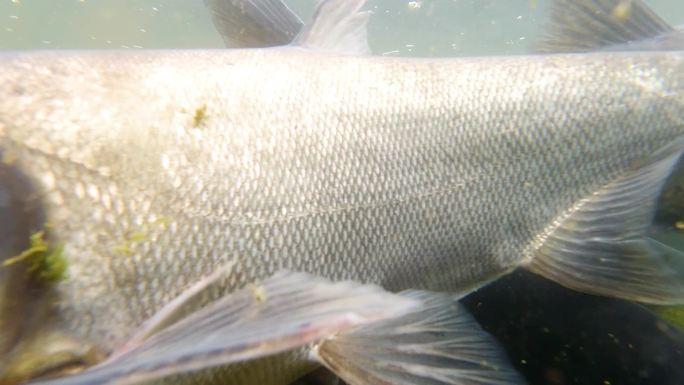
602,246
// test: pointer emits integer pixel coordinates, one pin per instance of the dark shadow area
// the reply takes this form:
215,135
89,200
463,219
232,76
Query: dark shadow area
556,336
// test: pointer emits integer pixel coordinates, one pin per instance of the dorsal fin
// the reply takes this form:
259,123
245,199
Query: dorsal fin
587,25
337,26
254,23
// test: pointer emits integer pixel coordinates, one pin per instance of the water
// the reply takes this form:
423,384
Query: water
554,336
416,28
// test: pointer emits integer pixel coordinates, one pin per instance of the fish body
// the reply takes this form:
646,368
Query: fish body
396,171
145,171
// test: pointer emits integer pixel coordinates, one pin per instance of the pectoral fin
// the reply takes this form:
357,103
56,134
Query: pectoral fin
602,246
191,300
286,311
439,344
254,23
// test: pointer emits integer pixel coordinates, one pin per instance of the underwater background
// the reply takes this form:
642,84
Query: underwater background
408,28
553,335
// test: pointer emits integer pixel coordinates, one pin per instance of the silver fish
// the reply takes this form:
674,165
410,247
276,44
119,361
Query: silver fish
138,187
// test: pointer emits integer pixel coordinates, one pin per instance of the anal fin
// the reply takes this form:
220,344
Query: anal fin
439,344
602,245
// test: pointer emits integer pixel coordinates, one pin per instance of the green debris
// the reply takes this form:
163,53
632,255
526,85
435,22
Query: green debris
259,294
673,314
129,243
162,221
138,236
124,249
47,263
622,10
143,235
671,204
200,116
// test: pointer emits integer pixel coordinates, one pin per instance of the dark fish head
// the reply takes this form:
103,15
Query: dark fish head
32,341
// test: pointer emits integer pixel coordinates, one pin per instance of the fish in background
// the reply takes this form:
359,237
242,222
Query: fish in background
152,199
607,25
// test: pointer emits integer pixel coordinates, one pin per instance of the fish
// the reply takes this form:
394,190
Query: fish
254,23
607,25
246,215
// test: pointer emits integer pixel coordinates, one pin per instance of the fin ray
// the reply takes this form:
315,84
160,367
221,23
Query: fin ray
602,246
439,344
587,25
337,26
284,312
186,303
254,23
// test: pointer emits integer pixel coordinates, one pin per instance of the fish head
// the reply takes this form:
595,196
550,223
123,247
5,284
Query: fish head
34,341
71,236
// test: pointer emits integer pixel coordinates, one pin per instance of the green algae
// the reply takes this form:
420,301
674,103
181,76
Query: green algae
673,314
199,118
131,241
46,262
140,236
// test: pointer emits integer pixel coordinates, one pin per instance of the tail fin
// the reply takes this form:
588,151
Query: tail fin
602,246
